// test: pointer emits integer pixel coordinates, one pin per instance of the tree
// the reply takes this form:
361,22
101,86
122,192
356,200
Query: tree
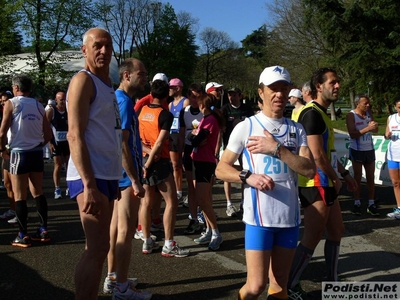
216,57
128,21
50,23
10,38
365,36
170,48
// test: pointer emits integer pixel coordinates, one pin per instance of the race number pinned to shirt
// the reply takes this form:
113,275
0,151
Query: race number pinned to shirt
61,136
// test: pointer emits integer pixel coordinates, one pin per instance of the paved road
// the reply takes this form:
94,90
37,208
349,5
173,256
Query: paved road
370,251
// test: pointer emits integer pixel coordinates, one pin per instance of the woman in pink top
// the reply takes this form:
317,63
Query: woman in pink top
205,140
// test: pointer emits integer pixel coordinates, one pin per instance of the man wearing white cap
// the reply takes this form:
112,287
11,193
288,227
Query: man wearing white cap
215,89
146,100
274,150
296,99
176,145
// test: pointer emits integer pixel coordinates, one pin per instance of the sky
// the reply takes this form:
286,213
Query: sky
238,18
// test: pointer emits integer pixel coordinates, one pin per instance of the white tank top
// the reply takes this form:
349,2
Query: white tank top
26,129
393,152
364,142
279,207
103,135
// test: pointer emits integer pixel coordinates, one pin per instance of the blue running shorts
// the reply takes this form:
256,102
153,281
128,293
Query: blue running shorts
106,187
265,238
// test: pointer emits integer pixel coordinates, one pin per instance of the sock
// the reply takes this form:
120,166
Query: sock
357,202
228,203
371,202
112,275
123,286
331,251
41,207
148,241
179,194
273,295
300,261
21,211
57,187
215,232
139,227
168,243
240,296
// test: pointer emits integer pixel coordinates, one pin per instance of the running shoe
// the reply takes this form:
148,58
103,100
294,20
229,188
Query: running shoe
193,226
297,293
204,239
356,210
131,294
41,235
185,202
13,220
216,241
180,199
139,236
57,194
148,248
174,251
21,240
9,214
231,211
111,282
200,217
395,213
372,210
157,227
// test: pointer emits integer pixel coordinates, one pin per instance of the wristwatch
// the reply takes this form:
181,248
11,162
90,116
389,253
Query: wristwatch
244,174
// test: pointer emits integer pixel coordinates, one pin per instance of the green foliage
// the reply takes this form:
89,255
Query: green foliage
51,25
170,48
10,38
364,40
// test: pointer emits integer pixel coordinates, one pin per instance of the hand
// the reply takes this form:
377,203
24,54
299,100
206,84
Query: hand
138,189
372,125
351,183
337,184
93,201
260,144
52,147
261,182
5,155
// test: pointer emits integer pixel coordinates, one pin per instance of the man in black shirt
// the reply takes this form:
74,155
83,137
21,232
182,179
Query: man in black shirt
234,112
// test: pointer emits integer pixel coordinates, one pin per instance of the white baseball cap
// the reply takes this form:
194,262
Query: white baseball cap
295,93
273,74
160,76
212,85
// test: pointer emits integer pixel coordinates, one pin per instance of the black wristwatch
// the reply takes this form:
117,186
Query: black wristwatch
244,174
345,173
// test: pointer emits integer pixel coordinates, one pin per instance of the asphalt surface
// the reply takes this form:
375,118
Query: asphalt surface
370,252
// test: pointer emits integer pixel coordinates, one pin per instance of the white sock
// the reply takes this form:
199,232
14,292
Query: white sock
215,232
112,274
168,243
179,193
228,203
